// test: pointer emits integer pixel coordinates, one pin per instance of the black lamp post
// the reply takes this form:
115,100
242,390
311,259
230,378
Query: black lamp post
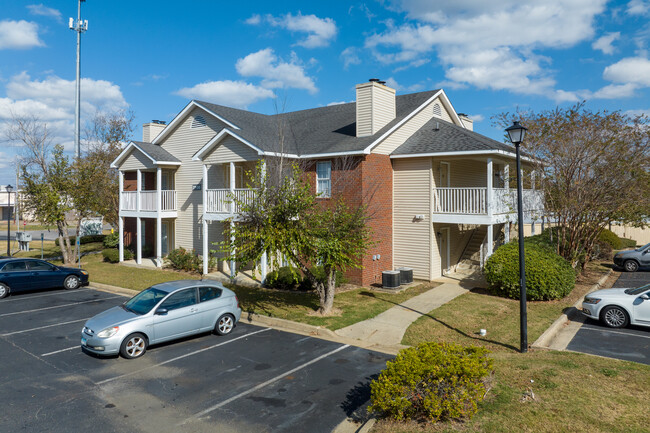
516,133
9,188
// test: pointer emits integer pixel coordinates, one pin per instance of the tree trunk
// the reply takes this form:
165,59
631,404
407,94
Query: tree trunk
327,294
64,242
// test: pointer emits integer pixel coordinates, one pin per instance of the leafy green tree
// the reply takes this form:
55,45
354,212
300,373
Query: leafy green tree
285,220
595,170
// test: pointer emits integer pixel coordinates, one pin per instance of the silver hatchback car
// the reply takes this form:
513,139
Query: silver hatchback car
161,313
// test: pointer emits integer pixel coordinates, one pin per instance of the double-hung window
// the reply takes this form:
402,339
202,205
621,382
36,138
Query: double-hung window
324,179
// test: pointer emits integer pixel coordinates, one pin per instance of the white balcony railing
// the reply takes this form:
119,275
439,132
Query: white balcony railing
220,200
473,200
148,200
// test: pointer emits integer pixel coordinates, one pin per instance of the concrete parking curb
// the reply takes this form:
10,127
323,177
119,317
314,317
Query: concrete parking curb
113,289
545,340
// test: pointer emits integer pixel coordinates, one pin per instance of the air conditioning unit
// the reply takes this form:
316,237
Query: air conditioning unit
405,275
390,279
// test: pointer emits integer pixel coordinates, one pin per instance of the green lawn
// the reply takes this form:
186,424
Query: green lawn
50,249
573,392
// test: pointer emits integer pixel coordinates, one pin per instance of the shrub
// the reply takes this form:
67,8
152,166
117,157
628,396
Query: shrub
113,255
284,278
432,381
83,240
609,237
112,240
627,243
190,261
548,276
319,273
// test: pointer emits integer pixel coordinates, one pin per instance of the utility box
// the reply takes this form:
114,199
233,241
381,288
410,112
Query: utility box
405,275
23,240
390,279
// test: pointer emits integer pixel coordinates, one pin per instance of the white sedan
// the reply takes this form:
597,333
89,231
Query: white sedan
618,308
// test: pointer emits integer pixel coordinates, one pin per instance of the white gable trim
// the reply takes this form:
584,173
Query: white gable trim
198,156
445,101
118,161
463,153
180,116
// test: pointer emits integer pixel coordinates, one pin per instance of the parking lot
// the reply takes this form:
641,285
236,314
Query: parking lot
631,343
255,379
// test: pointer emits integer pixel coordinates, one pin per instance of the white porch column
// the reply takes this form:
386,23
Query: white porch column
137,188
506,232
490,240
158,217
232,186
532,180
506,177
264,259
204,191
532,228
138,250
233,264
490,192
120,224
120,181
542,224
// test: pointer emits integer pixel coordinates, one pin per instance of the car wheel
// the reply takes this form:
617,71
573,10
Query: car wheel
71,282
225,324
631,266
614,317
4,290
133,346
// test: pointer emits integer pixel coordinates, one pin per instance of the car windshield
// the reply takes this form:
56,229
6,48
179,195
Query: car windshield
638,290
144,301
643,248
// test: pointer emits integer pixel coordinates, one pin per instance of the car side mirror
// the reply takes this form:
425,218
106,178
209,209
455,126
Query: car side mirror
161,311
645,296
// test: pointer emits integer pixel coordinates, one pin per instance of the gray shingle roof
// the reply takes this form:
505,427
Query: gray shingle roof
313,131
437,136
155,152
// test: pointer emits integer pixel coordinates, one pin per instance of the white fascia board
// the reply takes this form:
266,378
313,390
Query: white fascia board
402,122
450,108
463,153
168,163
315,155
180,116
198,156
126,151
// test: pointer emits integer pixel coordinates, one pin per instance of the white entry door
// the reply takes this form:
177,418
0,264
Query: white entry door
444,250
164,238
444,175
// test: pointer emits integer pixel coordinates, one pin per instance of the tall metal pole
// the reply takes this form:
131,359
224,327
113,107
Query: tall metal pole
79,27
523,325
8,220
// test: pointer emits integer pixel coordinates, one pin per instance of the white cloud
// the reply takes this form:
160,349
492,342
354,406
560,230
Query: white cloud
231,93
615,91
476,117
43,10
19,35
350,56
640,112
635,70
391,82
487,44
638,7
320,31
337,103
274,72
604,43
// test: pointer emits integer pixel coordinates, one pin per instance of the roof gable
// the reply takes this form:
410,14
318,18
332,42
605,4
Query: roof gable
156,154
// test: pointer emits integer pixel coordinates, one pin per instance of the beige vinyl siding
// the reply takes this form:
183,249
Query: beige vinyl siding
412,240
183,143
401,134
231,150
364,113
462,172
136,160
375,108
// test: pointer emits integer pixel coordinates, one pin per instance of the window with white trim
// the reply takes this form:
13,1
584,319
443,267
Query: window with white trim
324,179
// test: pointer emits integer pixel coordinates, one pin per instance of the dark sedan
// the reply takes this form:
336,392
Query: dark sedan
20,274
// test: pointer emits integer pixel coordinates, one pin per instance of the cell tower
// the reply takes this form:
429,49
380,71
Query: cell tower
80,27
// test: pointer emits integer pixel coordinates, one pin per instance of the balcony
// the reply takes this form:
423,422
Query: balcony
147,201
219,201
473,202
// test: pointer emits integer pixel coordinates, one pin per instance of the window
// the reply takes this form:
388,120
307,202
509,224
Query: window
14,267
181,299
40,266
208,293
323,179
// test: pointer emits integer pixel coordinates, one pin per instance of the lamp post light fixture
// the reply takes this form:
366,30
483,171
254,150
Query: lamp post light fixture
516,133
9,188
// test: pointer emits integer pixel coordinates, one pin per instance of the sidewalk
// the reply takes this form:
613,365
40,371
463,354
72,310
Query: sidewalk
388,328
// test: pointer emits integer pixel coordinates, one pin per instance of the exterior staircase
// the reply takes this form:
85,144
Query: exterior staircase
470,261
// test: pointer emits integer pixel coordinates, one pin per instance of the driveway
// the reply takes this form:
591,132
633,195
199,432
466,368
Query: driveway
631,344
254,380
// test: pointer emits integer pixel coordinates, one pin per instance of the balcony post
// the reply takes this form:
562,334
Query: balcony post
232,186
158,217
490,240
137,188
489,191
120,228
204,191
120,181
506,178
264,258
233,264
138,249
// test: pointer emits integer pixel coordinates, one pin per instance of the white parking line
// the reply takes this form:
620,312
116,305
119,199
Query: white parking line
25,298
78,346
42,327
102,382
615,332
262,385
58,306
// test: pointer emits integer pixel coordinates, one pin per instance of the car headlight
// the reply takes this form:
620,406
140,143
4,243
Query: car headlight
108,332
591,300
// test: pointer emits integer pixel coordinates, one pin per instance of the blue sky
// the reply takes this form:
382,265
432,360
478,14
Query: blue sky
153,56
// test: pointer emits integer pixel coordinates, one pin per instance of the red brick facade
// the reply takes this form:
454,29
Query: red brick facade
367,179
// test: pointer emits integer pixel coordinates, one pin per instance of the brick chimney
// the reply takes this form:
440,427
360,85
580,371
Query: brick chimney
152,129
375,106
